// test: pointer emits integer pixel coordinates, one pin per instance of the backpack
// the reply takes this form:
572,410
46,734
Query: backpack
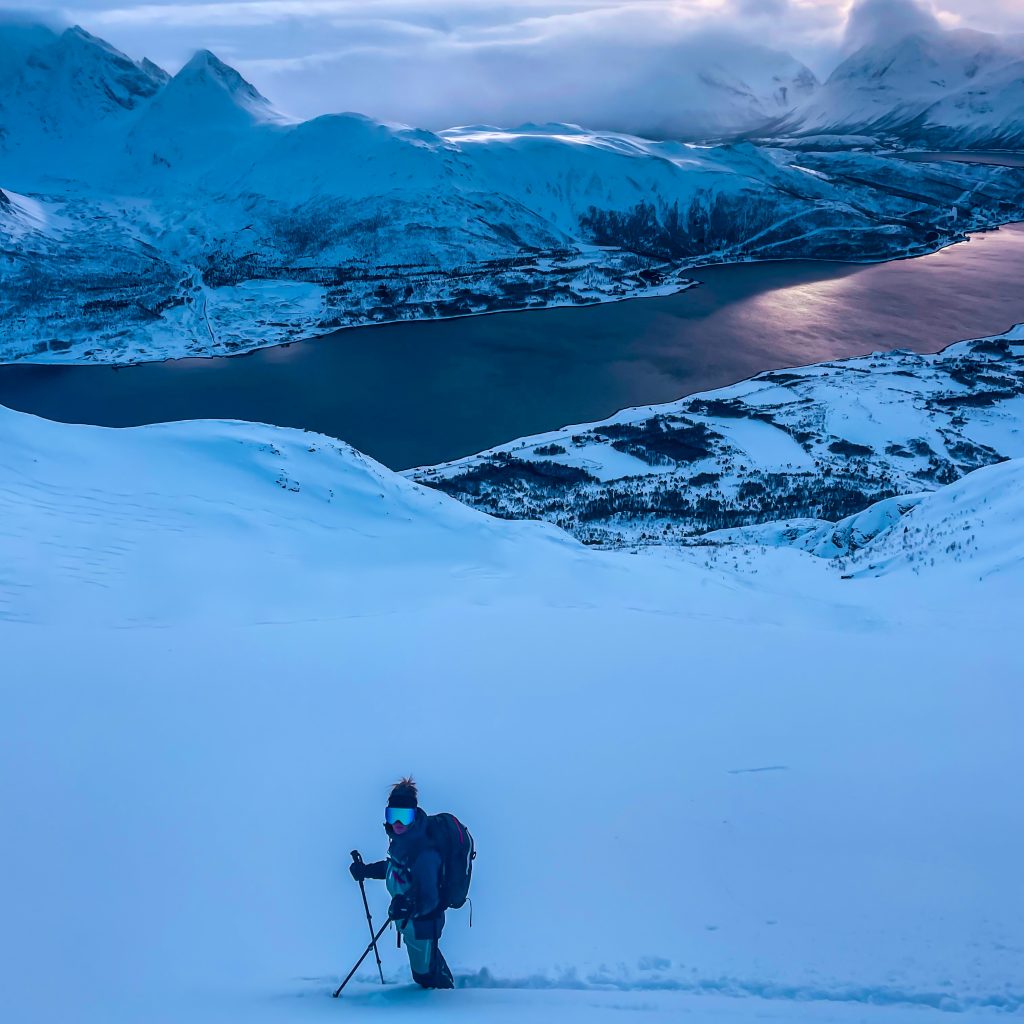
452,840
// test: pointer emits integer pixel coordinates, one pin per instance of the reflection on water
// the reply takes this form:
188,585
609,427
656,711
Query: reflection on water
417,393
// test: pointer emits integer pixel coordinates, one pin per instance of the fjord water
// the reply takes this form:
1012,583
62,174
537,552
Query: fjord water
995,157
418,393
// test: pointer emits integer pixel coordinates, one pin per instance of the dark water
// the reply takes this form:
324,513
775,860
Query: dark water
1001,158
416,393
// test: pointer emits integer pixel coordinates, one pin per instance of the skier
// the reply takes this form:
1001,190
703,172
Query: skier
412,873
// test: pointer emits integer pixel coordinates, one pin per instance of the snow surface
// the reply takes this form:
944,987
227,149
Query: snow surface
829,540
949,88
725,783
731,779
974,523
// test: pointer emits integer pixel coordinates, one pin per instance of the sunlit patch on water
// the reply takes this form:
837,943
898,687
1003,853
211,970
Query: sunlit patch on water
422,393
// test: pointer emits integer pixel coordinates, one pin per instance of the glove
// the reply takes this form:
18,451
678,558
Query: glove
401,908
357,869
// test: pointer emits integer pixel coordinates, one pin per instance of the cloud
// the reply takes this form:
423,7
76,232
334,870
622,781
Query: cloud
621,63
613,63
873,21
611,66
776,8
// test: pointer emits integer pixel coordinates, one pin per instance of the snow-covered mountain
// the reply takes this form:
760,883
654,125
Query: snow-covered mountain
953,89
809,446
65,99
218,637
767,771
223,114
187,216
987,113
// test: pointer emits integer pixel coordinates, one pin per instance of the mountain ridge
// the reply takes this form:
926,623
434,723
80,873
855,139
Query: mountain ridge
855,99
186,216
909,91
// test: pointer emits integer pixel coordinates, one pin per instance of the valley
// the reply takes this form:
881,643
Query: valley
689,576
419,393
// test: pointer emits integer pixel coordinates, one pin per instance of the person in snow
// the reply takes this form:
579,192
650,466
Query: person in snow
412,873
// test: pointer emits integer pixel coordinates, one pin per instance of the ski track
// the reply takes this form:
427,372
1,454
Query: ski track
1011,1001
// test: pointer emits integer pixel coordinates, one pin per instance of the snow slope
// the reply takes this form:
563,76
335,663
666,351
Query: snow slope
815,443
749,789
198,220
972,526
223,112
66,97
955,89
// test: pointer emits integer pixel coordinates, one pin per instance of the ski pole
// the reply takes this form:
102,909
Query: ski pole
357,857
366,953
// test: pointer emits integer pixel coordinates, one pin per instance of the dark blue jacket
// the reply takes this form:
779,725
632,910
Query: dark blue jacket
413,869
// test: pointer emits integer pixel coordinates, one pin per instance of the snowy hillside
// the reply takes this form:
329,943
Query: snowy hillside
187,216
815,443
750,788
302,493
957,89
972,527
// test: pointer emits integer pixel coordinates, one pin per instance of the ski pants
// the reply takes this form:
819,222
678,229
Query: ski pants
421,943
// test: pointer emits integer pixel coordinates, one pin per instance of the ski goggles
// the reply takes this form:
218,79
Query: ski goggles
403,816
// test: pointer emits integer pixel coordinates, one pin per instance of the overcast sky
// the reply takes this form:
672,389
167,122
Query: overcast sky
442,62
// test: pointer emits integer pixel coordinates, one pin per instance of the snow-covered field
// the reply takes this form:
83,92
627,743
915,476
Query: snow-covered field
735,787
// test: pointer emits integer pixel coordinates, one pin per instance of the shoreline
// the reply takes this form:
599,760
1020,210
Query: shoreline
657,291
921,156
1014,334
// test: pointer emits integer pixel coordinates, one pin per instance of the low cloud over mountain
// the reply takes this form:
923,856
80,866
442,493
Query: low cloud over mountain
642,66
871,22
